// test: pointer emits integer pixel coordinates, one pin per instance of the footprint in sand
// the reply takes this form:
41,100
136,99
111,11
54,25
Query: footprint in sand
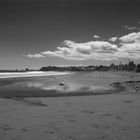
127,101
118,117
125,128
5,127
103,137
73,138
107,114
88,111
24,129
72,121
101,126
68,116
49,132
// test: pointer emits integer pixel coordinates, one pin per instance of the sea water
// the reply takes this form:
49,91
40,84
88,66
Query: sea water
30,74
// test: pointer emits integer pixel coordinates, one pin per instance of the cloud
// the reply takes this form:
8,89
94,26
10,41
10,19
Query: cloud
127,46
35,56
129,51
130,46
113,39
99,50
130,38
131,28
96,36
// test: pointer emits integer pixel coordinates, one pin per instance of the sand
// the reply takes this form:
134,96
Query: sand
114,115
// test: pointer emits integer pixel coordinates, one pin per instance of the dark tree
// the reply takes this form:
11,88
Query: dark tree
138,68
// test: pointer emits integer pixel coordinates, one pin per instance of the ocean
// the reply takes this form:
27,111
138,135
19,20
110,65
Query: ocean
30,74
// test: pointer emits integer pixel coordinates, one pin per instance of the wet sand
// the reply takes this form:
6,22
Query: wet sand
75,84
114,115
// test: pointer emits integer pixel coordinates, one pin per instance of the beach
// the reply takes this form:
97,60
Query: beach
69,69
77,106
29,74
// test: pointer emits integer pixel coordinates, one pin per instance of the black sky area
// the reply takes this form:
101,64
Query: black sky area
32,26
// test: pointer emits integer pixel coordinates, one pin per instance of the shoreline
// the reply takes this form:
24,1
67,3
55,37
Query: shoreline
64,84
30,74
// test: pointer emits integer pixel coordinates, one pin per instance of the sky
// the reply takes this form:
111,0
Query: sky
36,33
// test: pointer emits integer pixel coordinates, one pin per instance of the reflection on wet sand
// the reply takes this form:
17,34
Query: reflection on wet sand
48,89
67,87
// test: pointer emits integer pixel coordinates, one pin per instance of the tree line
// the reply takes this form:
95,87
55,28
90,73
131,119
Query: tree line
131,66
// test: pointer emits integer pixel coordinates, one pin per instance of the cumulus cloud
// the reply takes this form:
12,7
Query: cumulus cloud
71,50
128,47
131,28
35,55
130,38
96,36
113,39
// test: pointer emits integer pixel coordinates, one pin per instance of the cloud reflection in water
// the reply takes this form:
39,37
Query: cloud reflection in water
67,87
